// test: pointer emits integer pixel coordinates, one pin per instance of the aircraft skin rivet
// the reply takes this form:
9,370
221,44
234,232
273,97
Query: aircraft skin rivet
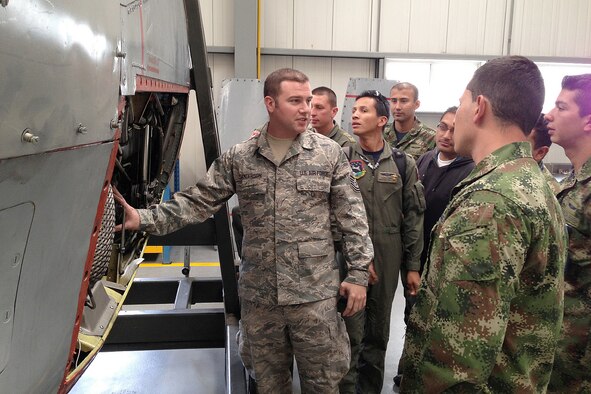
27,136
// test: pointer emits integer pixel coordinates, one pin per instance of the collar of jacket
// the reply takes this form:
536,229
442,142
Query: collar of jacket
585,172
304,140
416,127
459,160
334,130
385,154
505,154
584,175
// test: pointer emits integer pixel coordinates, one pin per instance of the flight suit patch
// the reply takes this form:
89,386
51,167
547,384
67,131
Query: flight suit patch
357,168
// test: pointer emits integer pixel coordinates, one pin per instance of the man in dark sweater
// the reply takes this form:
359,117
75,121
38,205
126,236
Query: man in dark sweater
440,169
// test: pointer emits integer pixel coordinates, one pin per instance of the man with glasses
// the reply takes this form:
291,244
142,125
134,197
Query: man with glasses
488,313
394,211
406,132
440,170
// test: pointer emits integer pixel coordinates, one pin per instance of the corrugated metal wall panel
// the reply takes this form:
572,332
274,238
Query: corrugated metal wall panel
428,26
574,39
496,27
223,29
583,41
552,28
272,63
532,31
342,70
206,7
476,27
313,24
318,69
222,67
460,27
352,25
394,26
277,24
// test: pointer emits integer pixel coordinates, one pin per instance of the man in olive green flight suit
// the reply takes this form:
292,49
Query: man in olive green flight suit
394,204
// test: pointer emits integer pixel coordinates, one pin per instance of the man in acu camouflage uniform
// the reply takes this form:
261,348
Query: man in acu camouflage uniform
489,309
289,181
324,109
394,204
570,127
406,132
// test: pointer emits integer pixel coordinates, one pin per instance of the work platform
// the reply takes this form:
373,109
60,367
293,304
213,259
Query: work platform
170,334
192,370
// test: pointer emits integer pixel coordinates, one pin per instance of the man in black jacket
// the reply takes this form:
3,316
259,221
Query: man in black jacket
440,170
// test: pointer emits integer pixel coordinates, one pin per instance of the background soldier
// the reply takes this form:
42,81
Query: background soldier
406,132
488,313
540,145
289,181
570,127
394,203
324,109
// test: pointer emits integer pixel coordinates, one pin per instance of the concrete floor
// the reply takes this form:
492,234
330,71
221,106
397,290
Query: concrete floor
193,370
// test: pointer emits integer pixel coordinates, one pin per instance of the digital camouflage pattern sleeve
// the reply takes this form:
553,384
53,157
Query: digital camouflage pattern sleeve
572,365
194,204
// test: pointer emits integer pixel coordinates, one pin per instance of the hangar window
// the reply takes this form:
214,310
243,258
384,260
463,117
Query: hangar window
553,74
442,82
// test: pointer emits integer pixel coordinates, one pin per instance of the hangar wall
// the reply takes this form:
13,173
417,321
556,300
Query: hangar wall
443,28
332,40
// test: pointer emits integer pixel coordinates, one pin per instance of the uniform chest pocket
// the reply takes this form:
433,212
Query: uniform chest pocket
252,185
252,194
314,258
390,183
472,246
313,185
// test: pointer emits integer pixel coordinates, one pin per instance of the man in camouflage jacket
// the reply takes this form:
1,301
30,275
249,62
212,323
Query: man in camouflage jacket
324,109
570,127
288,185
489,310
540,146
406,132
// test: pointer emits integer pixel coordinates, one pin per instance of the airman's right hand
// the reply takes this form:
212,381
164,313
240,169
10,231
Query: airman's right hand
132,217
